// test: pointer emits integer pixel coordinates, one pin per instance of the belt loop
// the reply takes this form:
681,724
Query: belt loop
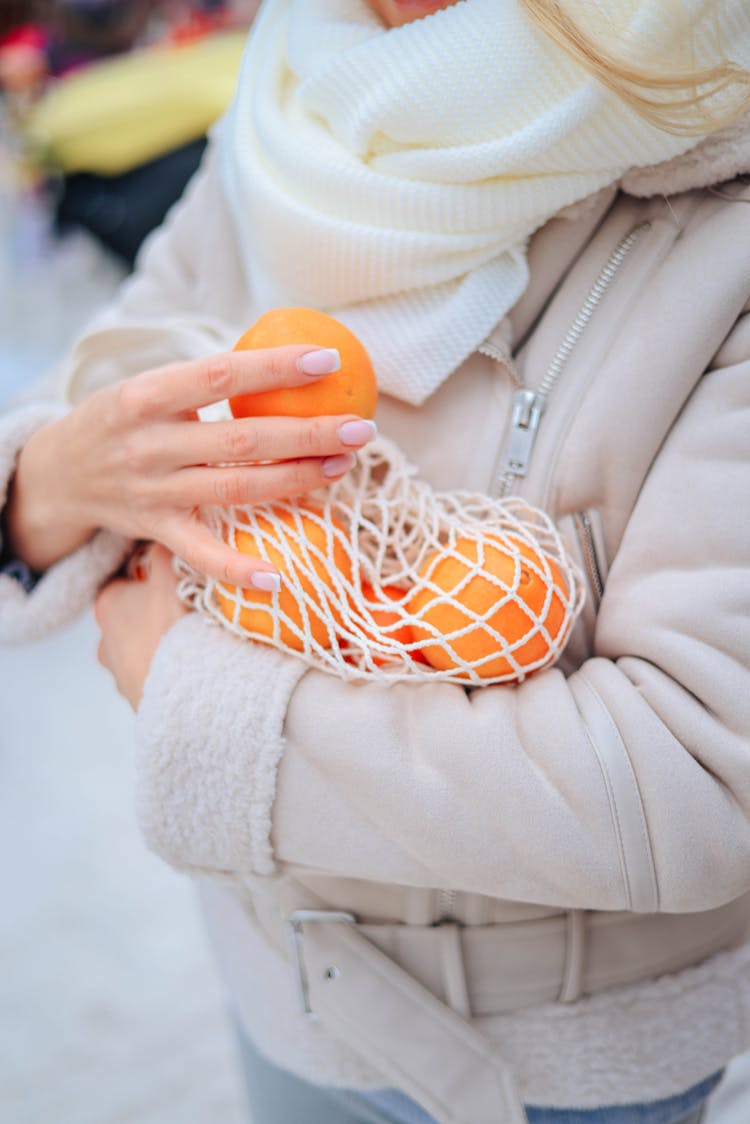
575,947
456,990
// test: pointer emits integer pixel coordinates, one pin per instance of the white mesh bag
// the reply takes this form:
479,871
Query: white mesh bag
383,578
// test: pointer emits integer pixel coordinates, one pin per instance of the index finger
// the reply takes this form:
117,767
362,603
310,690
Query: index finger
186,386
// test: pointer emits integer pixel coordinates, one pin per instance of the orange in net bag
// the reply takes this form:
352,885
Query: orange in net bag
387,624
398,582
306,547
482,596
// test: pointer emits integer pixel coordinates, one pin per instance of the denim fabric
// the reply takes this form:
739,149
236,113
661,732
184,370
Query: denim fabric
686,1108
278,1097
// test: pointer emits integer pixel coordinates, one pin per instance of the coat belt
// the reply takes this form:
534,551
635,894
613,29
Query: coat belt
511,966
404,995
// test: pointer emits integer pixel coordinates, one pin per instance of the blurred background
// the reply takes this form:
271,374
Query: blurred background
111,1011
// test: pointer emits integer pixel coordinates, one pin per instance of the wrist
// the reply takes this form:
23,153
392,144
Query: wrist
42,523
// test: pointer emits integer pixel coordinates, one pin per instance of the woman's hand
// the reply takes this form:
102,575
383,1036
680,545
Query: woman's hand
133,615
134,458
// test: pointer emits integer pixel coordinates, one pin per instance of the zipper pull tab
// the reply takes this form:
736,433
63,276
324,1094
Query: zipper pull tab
527,413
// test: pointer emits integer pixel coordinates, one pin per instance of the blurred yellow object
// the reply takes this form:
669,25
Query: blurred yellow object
117,114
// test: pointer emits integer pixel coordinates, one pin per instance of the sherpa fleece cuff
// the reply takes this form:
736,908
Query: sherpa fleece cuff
68,586
209,743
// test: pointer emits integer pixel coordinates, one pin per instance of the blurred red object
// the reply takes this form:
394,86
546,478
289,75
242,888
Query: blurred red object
197,24
23,58
191,21
27,35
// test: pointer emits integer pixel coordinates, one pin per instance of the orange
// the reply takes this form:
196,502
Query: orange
482,597
297,598
389,624
350,390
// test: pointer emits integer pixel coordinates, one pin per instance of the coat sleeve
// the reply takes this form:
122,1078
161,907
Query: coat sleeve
162,313
625,785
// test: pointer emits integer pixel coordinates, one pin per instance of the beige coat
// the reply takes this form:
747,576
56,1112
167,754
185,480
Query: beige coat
616,784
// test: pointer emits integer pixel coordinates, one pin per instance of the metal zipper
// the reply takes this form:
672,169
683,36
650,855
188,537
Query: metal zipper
529,405
528,408
585,533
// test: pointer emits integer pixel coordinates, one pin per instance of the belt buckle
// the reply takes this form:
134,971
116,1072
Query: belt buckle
294,923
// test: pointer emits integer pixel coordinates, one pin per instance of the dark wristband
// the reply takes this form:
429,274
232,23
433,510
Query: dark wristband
19,571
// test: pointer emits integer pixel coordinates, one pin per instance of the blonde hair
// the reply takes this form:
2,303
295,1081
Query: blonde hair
675,97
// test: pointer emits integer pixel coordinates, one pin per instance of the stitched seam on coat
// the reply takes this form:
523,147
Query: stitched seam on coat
613,809
287,673
647,899
639,804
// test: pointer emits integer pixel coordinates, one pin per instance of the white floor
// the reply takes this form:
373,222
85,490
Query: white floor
110,1008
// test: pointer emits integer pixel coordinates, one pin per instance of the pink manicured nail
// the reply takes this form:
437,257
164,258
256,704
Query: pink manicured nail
357,432
338,465
266,580
321,362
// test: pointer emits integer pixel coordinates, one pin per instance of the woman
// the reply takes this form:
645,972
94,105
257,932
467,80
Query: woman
532,896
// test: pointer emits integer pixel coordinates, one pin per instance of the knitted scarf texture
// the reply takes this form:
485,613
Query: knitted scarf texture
392,177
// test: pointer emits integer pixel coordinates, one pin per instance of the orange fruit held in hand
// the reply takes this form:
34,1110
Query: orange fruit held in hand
319,551
525,577
350,390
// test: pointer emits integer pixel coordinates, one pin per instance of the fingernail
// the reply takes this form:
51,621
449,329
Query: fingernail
321,362
357,432
337,466
266,580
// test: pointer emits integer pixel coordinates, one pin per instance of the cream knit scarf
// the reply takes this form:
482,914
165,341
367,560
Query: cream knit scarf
393,177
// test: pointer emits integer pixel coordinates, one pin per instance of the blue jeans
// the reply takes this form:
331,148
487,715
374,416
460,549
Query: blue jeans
685,1108
279,1097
